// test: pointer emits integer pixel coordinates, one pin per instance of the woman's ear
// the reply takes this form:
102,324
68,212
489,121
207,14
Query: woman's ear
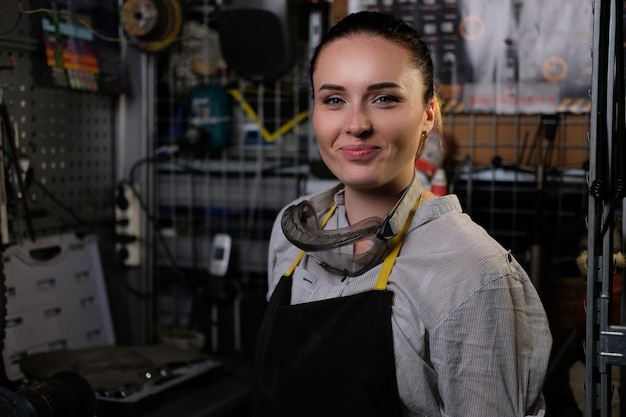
431,115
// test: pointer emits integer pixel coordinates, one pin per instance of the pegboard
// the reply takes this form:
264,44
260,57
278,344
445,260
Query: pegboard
66,136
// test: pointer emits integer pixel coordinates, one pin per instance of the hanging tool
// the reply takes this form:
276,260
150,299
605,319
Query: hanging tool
15,176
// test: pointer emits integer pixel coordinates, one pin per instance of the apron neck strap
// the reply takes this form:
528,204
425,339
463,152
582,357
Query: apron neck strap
396,243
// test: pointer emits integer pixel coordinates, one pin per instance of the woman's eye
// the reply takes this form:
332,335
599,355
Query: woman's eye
333,101
386,99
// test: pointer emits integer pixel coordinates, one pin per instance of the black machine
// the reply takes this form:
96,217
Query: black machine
67,394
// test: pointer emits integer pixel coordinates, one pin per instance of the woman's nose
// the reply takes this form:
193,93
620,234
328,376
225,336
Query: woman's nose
358,123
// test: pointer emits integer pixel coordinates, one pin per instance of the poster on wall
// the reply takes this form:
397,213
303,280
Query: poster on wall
81,47
504,56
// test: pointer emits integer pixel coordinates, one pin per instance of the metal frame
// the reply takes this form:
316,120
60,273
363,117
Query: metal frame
605,342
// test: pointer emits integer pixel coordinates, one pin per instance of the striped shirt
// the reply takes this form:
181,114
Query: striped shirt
471,337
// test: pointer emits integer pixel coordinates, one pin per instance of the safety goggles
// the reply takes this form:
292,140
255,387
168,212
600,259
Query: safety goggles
350,250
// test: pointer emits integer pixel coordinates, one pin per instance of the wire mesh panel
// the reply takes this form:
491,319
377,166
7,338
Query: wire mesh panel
234,152
237,189
520,177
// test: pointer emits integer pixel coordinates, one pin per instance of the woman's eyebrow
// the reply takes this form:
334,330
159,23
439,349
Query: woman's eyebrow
373,87
331,87
380,86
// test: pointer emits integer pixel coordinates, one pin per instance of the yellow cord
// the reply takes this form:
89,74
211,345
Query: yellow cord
267,136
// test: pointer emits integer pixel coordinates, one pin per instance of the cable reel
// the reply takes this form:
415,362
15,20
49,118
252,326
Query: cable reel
151,25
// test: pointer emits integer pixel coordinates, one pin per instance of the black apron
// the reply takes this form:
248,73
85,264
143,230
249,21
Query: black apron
326,358
331,357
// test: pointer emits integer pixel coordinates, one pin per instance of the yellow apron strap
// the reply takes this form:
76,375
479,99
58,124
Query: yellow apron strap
295,263
298,258
396,243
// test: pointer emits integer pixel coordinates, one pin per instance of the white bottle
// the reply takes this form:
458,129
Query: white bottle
439,183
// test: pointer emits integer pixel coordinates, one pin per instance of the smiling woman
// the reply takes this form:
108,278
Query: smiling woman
369,114
384,299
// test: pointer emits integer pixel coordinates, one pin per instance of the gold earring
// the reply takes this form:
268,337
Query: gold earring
424,135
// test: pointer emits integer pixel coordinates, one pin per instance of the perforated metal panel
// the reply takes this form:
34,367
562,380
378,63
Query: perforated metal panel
66,136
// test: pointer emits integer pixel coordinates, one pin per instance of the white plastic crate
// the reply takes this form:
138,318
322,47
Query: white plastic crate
56,298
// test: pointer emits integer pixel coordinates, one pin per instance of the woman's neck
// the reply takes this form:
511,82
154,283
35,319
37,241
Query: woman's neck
361,204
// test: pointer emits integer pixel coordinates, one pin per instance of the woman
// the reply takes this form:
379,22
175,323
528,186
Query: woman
386,300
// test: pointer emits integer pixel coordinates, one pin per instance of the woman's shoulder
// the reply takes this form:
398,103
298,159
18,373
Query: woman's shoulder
443,223
448,256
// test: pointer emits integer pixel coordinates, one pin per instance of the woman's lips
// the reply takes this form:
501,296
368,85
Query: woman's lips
359,153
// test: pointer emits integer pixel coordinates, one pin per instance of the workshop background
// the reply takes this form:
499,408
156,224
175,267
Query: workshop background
151,143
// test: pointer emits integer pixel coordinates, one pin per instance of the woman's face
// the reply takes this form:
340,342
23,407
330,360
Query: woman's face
368,112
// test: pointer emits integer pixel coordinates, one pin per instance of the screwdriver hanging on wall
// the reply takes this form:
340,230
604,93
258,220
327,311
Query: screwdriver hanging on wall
128,224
